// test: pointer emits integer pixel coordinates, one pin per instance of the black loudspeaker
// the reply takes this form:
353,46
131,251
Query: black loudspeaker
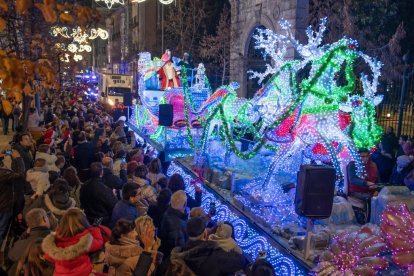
315,191
127,99
165,115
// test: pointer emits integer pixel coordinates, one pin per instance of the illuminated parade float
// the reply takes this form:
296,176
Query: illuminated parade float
318,108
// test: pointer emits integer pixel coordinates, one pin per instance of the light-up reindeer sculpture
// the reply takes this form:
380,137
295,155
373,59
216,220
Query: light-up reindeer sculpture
299,115
319,103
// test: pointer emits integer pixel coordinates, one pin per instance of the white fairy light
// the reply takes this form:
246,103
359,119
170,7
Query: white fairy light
165,2
79,35
110,3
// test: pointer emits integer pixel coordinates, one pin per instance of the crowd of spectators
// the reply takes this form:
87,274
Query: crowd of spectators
391,163
80,195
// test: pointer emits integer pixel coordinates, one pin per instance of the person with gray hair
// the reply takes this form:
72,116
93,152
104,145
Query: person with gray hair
110,179
38,228
173,225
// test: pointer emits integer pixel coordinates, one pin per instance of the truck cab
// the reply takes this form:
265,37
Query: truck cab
113,87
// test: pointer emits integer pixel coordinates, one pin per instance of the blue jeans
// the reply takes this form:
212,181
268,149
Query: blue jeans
4,224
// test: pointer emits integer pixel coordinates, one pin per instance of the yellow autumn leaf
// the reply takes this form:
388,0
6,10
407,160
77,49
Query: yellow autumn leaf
22,6
60,7
3,5
3,24
50,3
66,18
49,14
7,107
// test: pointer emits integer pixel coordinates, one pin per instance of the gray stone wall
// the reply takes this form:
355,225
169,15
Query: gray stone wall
246,15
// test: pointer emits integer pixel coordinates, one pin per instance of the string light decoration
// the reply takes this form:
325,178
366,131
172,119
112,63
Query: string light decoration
79,35
73,48
110,3
397,224
285,111
356,253
165,2
246,235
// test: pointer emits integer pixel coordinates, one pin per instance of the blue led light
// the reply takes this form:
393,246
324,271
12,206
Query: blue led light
248,237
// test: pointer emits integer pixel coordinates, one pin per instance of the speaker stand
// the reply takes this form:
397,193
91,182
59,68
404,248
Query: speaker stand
309,227
165,138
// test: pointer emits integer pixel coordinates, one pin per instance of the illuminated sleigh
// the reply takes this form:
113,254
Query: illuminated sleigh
185,100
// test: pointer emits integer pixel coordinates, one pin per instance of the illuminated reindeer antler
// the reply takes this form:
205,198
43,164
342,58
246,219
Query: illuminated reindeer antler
275,46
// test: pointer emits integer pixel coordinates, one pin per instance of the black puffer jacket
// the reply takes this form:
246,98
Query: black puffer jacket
12,186
112,181
97,200
26,155
173,230
83,155
206,258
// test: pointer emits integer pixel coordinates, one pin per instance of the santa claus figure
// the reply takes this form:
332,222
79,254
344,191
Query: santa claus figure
167,73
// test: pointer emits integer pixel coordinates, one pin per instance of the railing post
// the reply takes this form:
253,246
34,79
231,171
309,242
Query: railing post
407,62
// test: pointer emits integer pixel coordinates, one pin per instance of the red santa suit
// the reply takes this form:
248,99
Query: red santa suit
168,75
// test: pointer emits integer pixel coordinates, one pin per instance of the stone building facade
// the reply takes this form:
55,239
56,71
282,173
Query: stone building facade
246,16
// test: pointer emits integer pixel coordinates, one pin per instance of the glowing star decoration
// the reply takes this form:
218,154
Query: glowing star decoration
110,3
354,253
397,224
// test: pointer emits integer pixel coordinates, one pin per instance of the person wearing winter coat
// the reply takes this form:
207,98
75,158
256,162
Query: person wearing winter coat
96,199
70,174
56,202
155,172
156,212
110,179
38,228
204,257
33,119
401,169
173,225
146,191
23,146
176,183
83,155
74,239
126,208
43,152
38,177
12,185
125,255
223,238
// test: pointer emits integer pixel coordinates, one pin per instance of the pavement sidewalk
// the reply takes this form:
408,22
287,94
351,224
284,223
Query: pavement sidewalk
5,139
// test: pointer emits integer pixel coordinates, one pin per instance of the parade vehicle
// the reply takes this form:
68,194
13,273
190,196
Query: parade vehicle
113,87
315,110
